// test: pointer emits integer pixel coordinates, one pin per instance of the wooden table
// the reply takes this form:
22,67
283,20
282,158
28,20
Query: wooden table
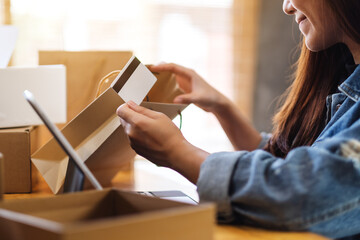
148,177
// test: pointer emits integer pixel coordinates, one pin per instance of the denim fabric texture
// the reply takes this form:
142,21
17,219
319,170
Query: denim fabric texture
315,188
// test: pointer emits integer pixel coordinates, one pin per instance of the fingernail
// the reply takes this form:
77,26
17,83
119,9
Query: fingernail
131,104
178,100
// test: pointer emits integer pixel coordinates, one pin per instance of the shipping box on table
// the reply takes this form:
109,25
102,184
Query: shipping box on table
16,144
107,214
48,83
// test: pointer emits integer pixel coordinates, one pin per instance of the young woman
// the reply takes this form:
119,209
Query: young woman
306,175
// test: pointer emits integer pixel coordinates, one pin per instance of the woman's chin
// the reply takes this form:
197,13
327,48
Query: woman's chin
313,47
316,45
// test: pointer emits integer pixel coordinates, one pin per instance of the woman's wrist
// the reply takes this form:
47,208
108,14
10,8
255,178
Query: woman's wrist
223,107
187,159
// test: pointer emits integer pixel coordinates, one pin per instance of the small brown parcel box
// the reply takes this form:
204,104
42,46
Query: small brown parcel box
16,146
107,214
98,138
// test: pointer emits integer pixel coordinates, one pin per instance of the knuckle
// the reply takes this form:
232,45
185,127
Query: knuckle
162,115
138,122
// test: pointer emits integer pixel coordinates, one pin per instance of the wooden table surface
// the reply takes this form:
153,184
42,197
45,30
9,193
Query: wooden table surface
148,177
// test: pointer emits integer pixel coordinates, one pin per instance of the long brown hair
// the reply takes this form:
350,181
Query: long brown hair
302,117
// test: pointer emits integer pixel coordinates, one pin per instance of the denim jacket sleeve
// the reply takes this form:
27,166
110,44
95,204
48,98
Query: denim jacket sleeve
315,188
265,137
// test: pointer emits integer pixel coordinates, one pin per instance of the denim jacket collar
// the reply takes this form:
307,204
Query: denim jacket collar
351,86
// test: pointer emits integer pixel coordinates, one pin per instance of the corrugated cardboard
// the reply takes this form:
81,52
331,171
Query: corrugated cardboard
48,83
108,214
98,138
15,145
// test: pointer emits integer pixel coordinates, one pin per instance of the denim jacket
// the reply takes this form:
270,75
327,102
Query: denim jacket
315,188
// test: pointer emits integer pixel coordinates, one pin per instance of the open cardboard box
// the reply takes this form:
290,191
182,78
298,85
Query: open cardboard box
96,135
107,214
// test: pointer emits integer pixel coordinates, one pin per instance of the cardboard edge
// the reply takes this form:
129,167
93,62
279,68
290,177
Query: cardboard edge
28,131
32,221
175,209
58,185
169,109
1,176
179,211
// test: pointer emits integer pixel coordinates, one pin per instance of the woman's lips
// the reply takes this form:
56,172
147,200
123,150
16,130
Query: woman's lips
300,19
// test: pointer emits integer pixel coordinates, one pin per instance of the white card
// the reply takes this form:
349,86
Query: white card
134,82
8,36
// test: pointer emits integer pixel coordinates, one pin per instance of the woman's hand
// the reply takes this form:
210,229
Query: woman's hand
239,130
154,136
196,89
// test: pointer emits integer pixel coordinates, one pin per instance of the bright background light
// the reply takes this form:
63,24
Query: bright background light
193,33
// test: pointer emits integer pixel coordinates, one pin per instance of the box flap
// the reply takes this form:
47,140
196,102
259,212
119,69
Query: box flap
165,89
105,214
170,110
16,130
134,81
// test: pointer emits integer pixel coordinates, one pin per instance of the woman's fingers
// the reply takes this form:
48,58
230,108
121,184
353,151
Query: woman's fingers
184,99
125,113
172,67
141,110
131,112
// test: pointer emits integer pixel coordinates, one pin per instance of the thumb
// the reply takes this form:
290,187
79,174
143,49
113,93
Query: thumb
142,110
184,99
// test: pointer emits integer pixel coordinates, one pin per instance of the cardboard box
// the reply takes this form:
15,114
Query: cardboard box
48,83
102,142
16,146
108,214
84,70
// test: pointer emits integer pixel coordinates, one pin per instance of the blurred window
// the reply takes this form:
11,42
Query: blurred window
193,33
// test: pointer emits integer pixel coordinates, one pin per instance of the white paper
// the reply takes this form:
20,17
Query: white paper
8,36
138,85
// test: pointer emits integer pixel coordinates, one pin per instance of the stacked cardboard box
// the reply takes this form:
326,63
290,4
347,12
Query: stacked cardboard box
17,143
